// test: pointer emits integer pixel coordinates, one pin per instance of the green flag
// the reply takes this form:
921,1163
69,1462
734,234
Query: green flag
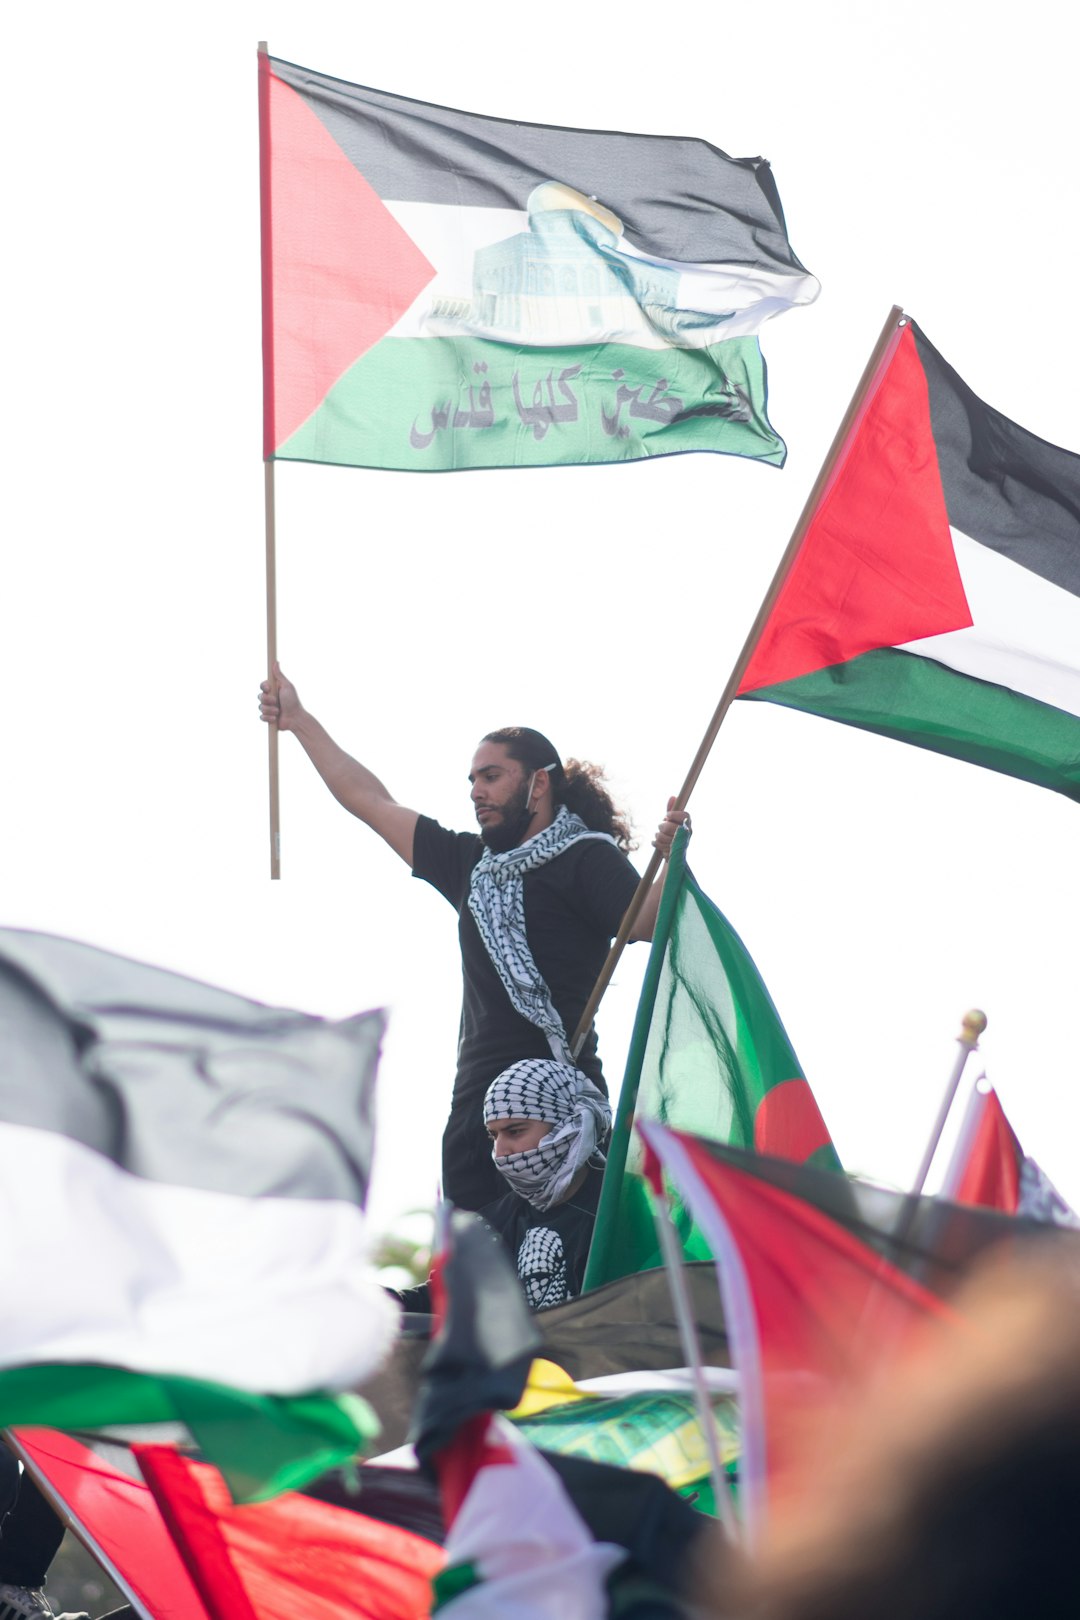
708,1055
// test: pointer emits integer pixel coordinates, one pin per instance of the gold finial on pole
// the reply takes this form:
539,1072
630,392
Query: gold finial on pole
971,1027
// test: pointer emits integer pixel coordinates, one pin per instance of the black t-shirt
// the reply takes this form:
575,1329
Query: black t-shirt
549,1247
573,906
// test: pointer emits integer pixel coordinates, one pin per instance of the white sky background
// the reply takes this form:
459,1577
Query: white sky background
924,157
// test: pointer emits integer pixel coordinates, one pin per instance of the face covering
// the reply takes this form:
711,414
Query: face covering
580,1119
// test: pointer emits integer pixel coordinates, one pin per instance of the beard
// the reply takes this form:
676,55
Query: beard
513,823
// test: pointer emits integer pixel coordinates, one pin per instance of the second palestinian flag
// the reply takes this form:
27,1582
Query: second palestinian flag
184,1181
936,597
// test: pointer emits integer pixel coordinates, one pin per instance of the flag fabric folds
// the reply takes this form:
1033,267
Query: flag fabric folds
708,1054
625,1327
196,1166
806,1303
647,1422
444,290
824,1280
936,595
528,1535
115,1514
293,1556
989,1167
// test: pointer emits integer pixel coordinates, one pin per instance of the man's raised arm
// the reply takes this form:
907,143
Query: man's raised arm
351,783
645,921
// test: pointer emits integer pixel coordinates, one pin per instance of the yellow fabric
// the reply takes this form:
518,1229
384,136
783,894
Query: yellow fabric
548,1385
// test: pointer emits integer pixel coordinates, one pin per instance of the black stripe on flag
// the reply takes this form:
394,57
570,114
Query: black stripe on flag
1004,487
678,197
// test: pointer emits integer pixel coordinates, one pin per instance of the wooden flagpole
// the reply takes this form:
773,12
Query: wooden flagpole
268,449
894,323
271,660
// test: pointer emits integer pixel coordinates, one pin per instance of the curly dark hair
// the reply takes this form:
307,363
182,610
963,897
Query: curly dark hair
578,784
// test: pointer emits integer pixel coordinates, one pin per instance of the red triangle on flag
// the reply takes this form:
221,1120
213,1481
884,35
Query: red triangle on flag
119,1516
986,1164
877,567
338,269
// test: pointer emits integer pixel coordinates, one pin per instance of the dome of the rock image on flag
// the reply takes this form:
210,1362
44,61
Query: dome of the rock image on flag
446,290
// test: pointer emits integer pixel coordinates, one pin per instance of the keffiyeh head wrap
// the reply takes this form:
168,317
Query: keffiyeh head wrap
579,1115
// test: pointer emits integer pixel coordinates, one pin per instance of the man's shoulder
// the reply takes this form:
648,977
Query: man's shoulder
594,850
441,854
592,875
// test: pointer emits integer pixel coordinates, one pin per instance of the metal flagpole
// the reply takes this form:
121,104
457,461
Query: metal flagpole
77,1528
671,1250
972,1026
268,447
888,336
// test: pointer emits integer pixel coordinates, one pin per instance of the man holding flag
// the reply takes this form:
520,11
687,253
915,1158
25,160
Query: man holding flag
539,891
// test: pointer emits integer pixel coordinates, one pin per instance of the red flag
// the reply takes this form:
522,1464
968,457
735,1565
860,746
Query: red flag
121,1518
985,1167
288,1557
810,1308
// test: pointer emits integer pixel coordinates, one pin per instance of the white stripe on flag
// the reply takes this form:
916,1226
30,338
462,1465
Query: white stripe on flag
741,299
740,1319
273,1295
1026,634
524,1536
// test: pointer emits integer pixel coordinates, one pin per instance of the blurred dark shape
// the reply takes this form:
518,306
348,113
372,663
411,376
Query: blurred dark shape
950,1492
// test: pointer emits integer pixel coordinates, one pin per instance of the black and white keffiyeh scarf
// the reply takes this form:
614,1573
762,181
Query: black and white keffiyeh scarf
579,1115
497,902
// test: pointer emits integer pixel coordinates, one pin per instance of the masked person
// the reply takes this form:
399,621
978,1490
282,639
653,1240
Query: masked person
540,890
548,1125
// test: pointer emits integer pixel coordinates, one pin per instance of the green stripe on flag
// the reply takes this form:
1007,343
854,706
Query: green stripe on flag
708,1055
435,404
262,1444
451,1582
914,699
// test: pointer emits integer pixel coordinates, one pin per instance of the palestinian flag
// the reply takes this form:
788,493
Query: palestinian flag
825,1280
186,1172
935,595
293,1556
990,1168
444,290
99,1492
528,1535
708,1054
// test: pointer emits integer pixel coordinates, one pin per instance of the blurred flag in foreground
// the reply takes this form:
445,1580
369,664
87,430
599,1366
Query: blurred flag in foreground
443,289
989,1167
182,1199
709,1055
936,596
528,1535
293,1556
825,1281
